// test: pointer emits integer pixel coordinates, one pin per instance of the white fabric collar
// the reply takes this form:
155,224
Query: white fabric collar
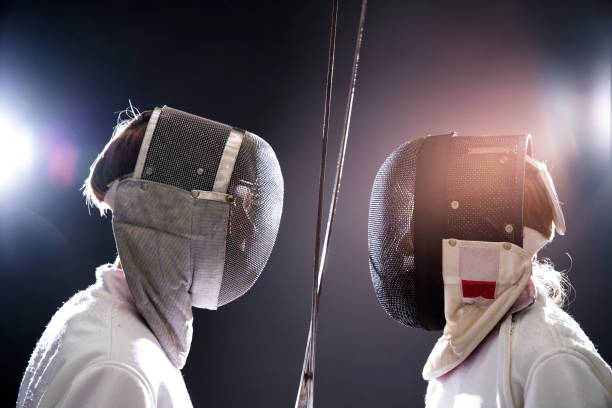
482,282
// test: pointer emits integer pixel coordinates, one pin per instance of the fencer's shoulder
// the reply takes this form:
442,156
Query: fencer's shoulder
76,336
99,330
128,338
134,347
101,323
100,320
545,326
546,340
545,333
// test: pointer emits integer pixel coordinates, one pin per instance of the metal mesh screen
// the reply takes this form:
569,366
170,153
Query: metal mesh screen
257,184
485,188
481,185
390,243
172,158
185,152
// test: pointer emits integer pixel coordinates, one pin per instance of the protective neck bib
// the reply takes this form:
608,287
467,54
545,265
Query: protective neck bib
482,281
172,250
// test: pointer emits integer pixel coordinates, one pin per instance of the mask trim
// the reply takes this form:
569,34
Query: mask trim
551,192
429,227
146,143
533,241
228,160
210,195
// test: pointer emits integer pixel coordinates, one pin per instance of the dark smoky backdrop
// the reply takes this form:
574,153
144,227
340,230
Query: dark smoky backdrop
427,67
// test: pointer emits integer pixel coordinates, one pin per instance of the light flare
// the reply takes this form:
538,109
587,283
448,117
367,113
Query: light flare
16,150
601,109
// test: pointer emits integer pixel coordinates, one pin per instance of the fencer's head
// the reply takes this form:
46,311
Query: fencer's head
196,209
469,188
189,156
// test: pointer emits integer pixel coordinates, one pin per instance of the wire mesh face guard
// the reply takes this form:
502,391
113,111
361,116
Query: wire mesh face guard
434,188
228,188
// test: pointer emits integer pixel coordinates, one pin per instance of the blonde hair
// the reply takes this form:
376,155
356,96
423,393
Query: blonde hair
554,283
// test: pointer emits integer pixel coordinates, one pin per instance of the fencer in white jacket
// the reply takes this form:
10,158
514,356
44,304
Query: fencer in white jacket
519,349
97,351
537,356
186,237
504,343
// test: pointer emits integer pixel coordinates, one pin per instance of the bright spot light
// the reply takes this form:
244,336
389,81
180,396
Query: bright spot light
602,111
16,150
600,106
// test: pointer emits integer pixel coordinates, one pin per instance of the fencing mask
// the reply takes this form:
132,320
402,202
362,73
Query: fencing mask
196,221
445,237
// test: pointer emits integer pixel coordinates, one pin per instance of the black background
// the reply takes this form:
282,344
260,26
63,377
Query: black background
427,67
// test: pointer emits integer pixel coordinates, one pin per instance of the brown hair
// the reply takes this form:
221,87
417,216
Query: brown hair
117,159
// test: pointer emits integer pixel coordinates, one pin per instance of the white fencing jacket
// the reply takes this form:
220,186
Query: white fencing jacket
538,357
97,351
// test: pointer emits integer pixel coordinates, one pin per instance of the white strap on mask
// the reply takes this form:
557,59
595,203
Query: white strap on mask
224,171
533,241
228,160
551,193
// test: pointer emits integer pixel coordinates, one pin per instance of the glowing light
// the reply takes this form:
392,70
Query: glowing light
16,150
62,159
601,109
